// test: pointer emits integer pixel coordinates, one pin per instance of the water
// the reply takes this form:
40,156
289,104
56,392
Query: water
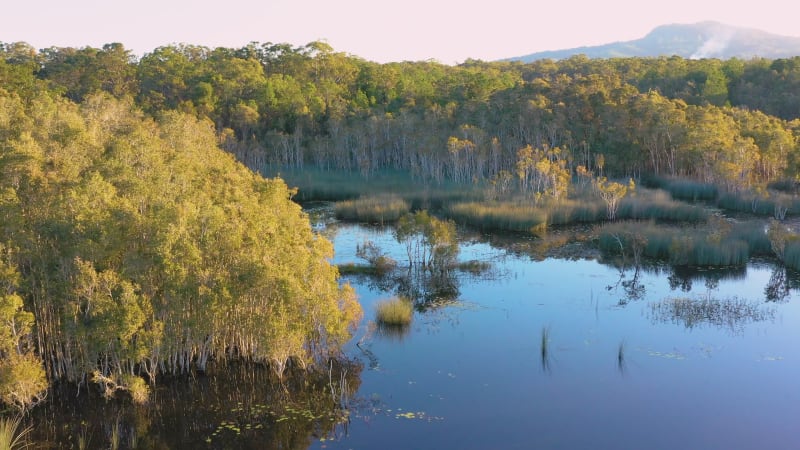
475,376
616,370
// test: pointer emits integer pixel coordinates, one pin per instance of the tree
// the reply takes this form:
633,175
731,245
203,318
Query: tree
611,192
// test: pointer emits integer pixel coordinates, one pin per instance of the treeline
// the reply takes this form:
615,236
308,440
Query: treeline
132,247
733,123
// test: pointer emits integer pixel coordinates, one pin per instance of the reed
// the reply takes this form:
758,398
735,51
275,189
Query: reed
396,312
381,209
769,204
682,246
658,205
506,216
791,255
688,190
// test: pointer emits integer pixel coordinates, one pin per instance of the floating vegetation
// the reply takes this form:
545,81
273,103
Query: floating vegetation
731,313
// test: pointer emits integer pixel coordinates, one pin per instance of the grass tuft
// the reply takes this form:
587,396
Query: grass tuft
381,209
396,312
12,435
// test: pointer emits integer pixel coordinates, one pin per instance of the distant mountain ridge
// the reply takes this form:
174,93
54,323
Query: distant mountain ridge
699,40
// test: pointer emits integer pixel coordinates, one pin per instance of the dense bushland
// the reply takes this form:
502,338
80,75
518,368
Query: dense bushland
132,247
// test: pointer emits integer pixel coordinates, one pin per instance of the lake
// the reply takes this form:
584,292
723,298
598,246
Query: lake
530,353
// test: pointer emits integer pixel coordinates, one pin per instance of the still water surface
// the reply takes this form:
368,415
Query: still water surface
529,354
618,372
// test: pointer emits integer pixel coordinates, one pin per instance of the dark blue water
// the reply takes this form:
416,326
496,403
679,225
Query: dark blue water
617,373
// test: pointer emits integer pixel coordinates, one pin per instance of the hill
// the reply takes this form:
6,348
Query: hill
699,40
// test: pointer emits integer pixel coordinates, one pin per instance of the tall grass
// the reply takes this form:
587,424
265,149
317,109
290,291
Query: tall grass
315,184
396,312
506,216
521,215
381,209
684,246
12,434
688,190
791,255
657,205
773,204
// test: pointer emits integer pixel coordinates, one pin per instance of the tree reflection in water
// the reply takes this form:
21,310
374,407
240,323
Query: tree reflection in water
732,314
236,406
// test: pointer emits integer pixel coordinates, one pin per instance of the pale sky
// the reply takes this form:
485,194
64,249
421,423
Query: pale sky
448,31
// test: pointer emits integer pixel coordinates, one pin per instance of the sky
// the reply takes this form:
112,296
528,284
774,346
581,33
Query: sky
448,31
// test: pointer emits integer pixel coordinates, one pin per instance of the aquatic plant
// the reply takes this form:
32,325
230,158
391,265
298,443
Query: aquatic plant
382,208
657,205
681,189
507,216
718,244
397,311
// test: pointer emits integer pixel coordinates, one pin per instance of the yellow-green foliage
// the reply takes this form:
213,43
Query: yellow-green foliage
151,248
397,311
23,382
374,209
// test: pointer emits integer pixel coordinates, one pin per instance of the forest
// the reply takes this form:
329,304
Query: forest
139,237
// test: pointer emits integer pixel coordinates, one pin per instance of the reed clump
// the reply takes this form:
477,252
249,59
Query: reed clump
770,204
687,190
13,435
384,208
658,205
791,255
506,216
713,246
395,312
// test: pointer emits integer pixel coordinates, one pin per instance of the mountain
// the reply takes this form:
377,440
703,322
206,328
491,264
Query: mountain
699,40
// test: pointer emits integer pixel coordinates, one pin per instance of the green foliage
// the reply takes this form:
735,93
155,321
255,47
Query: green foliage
397,311
430,243
23,383
380,263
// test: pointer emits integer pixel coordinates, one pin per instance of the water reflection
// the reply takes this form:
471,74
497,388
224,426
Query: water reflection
731,314
240,406
683,277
